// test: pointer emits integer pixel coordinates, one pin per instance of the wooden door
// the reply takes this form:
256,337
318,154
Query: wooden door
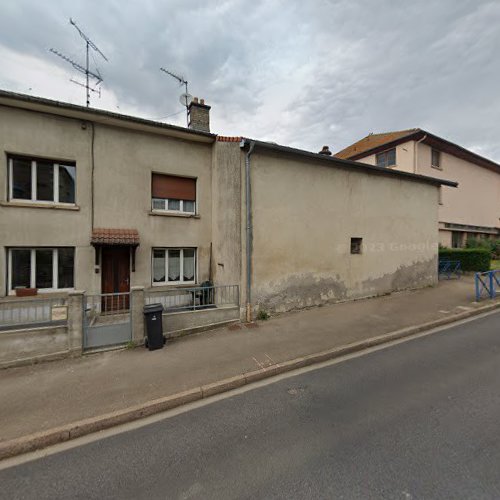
115,278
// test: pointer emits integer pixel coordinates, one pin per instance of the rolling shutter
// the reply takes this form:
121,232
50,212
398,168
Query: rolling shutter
173,187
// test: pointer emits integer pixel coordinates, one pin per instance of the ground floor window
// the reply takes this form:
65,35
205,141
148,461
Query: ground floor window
457,238
174,265
41,268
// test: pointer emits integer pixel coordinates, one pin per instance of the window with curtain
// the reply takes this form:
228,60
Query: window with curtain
170,193
174,265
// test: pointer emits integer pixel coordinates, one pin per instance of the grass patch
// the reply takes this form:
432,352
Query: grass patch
495,264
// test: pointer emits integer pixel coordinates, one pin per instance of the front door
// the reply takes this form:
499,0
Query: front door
115,278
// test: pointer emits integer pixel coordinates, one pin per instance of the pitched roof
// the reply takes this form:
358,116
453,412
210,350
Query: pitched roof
112,236
375,143
372,141
44,105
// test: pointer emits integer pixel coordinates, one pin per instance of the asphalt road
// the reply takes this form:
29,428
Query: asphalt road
419,419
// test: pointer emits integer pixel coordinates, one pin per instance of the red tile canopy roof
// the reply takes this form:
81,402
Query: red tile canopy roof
109,236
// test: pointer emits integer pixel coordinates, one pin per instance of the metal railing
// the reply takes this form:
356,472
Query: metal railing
449,267
195,298
103,304
33,312
487,284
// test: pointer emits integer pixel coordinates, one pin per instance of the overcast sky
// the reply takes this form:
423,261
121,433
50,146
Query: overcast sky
300,73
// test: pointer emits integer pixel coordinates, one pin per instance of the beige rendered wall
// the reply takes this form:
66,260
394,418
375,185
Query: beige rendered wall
304,215
226,213
40,135
404,157
476,201
124,162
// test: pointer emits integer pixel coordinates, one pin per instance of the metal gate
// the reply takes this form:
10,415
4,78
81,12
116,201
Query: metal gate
106,320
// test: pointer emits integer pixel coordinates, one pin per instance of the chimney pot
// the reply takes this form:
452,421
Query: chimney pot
202,101
325,151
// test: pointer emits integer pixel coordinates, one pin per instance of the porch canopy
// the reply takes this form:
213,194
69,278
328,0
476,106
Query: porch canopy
110,236
115,237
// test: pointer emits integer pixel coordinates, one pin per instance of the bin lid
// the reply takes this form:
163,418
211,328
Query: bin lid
152,308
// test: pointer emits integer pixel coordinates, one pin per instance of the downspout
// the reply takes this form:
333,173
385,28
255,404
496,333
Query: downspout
415,154
249,232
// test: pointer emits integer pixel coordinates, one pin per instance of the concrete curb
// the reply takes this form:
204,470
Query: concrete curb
80,428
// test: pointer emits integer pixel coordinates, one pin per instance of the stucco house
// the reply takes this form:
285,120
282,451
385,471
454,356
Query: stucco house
105,204
472,210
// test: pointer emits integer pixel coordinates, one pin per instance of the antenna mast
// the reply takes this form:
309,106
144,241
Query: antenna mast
89,44
184,82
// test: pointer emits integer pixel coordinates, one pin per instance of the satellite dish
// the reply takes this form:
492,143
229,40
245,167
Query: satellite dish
185,99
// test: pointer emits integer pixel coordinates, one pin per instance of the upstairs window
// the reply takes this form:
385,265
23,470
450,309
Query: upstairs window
42,268
387,158
45,181
173,194
436,159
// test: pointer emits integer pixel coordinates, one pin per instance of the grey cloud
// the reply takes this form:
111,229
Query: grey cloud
298,73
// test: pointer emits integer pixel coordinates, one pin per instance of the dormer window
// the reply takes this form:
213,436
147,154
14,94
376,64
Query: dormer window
387,158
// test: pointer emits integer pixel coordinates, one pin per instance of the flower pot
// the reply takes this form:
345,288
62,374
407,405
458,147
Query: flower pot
26,292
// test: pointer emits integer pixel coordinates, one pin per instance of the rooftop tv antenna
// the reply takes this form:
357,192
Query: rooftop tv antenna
185,98
89,44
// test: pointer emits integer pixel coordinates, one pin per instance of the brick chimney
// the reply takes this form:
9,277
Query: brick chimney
199,115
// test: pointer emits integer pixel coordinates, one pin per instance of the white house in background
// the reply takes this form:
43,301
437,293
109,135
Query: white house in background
472,210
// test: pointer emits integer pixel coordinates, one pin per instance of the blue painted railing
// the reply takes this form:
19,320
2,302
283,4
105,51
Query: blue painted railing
449,267
487,284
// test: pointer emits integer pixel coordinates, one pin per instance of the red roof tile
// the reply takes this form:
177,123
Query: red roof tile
110,236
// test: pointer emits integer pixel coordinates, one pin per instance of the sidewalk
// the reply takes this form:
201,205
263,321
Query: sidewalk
41,397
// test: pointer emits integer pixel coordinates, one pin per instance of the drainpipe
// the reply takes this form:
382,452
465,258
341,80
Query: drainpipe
415,154
249,232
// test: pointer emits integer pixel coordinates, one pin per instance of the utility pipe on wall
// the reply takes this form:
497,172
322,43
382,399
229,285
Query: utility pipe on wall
249,232
415,155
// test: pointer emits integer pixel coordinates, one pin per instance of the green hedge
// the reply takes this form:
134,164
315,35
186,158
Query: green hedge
472,259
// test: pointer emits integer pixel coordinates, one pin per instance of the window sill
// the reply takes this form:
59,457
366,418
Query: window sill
173,214
27,204
169,286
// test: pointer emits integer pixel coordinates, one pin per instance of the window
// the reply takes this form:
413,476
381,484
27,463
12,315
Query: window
457,239
173,194
356,245
436,158
174,265
387,158
42,268
41,180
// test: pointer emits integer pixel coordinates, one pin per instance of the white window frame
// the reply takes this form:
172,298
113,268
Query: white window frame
34,185
55,268
181,273
167,210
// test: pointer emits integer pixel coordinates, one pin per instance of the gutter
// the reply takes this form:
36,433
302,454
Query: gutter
249,230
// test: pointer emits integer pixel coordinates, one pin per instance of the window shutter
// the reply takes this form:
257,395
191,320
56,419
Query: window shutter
172,187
